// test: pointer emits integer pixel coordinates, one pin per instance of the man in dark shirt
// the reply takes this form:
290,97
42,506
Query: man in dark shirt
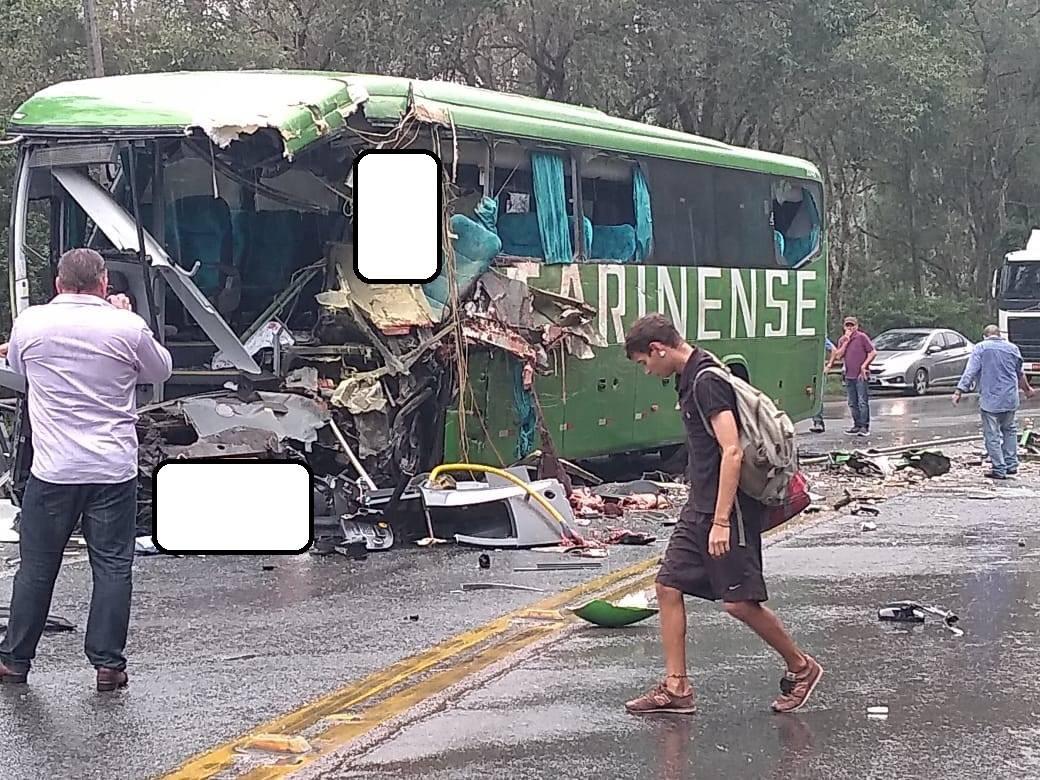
715,551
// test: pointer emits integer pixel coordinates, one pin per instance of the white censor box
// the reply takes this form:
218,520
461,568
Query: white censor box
397,216
225,507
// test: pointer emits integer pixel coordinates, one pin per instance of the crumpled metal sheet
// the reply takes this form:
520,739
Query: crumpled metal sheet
230,443
360,395
299,418
373,430
495,334
511,301
388,306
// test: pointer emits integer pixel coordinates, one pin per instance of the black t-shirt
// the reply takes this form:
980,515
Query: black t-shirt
714,395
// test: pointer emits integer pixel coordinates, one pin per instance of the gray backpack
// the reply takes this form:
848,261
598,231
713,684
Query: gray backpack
766,436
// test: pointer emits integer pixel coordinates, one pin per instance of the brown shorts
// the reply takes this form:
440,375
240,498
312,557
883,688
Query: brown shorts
737,576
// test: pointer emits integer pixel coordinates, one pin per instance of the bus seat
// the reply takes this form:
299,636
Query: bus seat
475,248
613,242
520,235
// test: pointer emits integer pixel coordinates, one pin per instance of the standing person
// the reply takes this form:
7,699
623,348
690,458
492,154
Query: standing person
715,551
82,355
856,348
817,421
996,364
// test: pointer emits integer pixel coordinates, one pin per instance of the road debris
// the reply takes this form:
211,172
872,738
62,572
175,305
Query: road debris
868,526
623,612
877,712
915,612
276,743
499,586
567,566
54,624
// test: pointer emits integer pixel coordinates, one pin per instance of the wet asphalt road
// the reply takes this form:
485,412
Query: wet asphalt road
959,707
897,421
220,645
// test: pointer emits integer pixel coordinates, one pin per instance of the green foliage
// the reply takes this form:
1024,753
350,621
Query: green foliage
923,114
903,309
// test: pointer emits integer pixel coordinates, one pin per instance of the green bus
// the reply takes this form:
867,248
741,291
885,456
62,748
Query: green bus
223,204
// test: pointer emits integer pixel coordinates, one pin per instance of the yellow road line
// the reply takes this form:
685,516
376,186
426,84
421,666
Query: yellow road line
547,611
340,734
214,761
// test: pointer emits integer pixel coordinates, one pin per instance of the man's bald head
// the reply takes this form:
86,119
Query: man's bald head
82,271
990,331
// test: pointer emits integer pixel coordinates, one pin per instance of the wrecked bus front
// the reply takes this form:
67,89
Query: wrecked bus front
223,203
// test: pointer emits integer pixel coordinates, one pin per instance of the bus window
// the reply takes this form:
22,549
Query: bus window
535,195
683,201
796,221
617,206
742,220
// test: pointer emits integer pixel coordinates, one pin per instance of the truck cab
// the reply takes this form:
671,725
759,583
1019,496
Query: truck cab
1016,288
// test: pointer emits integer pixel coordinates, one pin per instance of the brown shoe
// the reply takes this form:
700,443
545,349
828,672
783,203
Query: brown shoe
11,677
660,699
797,687
110,679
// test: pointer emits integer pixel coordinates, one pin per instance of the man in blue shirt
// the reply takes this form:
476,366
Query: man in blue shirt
997,365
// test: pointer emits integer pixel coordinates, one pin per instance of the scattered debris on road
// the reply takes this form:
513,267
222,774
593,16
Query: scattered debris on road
623,612
915,612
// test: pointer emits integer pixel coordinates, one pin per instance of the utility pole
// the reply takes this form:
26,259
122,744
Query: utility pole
97,64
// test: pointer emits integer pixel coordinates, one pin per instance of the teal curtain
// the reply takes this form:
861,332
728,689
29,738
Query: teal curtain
644,215
526,419
550,195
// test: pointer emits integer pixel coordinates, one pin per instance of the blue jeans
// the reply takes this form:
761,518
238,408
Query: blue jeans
49,514
858,391
1000,434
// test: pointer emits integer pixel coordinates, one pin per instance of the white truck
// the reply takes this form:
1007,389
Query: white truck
1016,289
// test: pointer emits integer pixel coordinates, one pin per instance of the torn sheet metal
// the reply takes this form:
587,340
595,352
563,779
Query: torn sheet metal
286,415
308,109
264,338
389,307
508,300
305,378
539,317
495,334
360,395
232,442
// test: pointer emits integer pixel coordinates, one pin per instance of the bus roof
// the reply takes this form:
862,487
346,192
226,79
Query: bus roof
304,106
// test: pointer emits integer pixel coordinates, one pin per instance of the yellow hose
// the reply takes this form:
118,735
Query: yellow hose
505,475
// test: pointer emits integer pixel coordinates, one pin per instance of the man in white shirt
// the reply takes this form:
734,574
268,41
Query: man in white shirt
82,355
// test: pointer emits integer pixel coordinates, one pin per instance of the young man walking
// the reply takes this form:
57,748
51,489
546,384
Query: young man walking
715,551
858,352
82,356
996,364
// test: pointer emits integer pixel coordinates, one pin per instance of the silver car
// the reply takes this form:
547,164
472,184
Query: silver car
914,359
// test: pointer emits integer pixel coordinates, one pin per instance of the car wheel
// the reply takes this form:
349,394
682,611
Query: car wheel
920,382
